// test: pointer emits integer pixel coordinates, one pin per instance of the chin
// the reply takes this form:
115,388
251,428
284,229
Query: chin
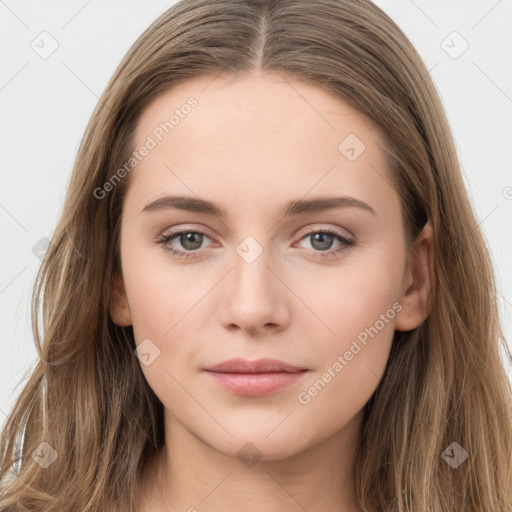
255,443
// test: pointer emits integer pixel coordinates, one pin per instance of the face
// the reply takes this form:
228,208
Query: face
273,273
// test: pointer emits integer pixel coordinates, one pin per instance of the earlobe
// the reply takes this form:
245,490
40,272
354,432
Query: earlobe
417,283
118,307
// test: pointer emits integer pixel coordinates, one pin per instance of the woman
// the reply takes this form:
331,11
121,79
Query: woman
267,289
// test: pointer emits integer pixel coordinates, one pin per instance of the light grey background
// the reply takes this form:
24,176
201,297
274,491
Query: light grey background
45,104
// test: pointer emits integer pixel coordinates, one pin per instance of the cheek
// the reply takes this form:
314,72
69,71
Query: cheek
163,299
357,305
348,298
353,357
158,290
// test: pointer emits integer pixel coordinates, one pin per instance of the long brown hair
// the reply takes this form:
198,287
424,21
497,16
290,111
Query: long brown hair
445,382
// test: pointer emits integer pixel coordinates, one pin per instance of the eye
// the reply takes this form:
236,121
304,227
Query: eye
321,241
192,240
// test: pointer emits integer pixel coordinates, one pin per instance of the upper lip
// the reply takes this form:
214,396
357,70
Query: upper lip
266,365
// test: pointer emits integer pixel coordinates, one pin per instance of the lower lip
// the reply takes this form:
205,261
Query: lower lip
255,384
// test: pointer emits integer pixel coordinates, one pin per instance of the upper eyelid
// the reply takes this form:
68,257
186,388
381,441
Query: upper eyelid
340,231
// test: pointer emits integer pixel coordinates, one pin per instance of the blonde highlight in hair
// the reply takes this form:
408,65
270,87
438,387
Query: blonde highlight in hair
445,381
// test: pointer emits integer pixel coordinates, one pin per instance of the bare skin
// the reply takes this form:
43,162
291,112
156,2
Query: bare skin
252,144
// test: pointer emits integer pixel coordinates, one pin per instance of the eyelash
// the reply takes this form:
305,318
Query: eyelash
330,253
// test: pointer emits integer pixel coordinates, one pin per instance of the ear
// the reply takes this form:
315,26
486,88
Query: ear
118,307
417,282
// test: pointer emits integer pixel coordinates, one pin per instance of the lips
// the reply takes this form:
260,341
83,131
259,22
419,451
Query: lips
254,378
266,365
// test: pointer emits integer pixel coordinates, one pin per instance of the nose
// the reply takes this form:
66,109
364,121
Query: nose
254,297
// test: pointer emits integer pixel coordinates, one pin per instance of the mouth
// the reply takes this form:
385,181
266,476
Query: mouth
255,378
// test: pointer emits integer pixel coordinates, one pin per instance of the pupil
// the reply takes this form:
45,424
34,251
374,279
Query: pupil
188,238
325,240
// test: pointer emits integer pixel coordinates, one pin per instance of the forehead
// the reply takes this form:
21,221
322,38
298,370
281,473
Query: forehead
265,136
271,99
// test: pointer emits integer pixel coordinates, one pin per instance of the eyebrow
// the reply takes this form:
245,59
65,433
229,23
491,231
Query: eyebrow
291,208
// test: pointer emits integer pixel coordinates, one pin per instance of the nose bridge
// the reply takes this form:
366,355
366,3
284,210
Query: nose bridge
251,273
251,295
